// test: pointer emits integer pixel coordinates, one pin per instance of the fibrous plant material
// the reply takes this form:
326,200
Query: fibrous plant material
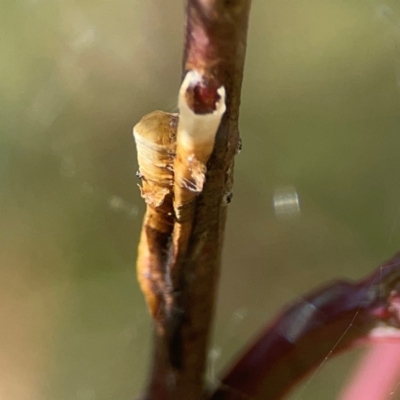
201,107
337,317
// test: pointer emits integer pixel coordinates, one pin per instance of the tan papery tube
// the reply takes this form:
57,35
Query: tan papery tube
155,137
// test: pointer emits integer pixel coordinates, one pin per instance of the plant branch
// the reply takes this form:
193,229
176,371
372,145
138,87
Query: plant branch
215,44
335,318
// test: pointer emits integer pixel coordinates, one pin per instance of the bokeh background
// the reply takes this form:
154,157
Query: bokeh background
320,120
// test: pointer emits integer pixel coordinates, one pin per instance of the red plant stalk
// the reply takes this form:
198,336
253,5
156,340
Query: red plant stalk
335,318
377,376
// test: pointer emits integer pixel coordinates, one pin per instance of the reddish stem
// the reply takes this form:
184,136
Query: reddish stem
323,323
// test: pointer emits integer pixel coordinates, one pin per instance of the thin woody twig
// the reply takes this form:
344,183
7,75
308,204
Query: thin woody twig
201,106
185,255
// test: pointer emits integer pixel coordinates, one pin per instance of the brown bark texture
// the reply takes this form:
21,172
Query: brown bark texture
215,44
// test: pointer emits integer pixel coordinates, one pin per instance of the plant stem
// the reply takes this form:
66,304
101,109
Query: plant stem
332,319
215,45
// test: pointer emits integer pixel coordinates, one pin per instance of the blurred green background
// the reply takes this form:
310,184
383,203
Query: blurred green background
320,114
